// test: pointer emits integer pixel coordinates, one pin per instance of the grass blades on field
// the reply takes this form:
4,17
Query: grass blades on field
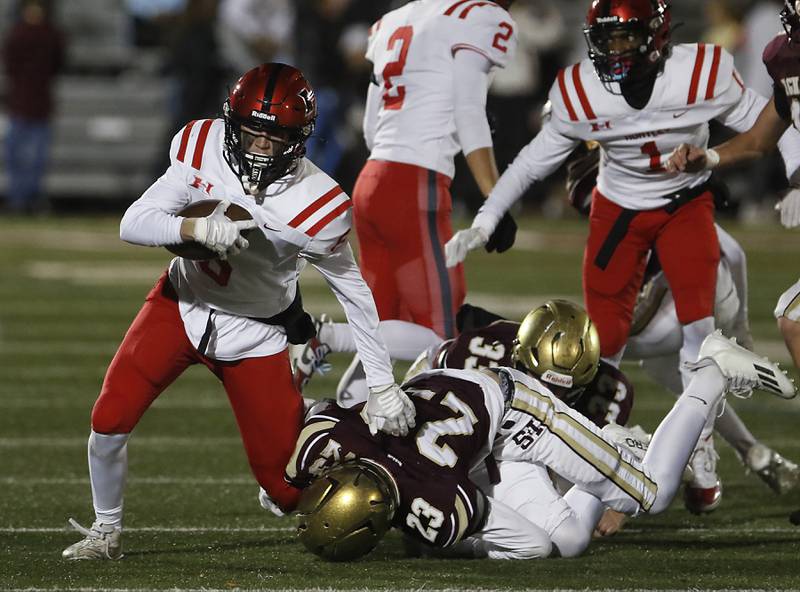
69,290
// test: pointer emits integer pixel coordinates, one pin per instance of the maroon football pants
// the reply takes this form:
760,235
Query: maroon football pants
156,350
687,246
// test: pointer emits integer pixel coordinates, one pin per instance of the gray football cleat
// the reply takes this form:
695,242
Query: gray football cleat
743,369
310,358
780,474
102,542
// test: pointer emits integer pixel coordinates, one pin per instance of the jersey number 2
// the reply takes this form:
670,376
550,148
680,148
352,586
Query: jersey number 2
394,100
504,35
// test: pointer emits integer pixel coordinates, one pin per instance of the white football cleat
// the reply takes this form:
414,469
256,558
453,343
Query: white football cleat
703,493
779,473
309,359
268,503
634,439
102,541
743,369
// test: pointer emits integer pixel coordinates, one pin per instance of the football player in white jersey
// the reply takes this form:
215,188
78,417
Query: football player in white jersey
638,97
431,64
782,60
235,313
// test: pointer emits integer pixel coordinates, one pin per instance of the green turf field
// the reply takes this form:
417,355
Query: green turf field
68,291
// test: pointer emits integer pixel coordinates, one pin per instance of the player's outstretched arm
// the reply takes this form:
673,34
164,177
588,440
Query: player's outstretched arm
750,145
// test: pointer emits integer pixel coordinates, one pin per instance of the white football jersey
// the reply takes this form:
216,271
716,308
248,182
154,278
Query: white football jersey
411,49
302,217
699,83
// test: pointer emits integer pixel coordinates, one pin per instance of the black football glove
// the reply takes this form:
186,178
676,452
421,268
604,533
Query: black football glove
503,237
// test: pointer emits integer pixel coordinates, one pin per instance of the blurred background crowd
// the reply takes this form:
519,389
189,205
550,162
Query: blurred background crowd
92,91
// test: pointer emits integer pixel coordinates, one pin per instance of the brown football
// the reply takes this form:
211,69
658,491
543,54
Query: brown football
200,209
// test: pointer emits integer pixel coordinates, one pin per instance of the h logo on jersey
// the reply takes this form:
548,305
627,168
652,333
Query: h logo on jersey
596,126
198,183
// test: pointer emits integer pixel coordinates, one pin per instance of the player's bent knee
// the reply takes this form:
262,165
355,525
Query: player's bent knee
537,548
571,538
108,419
789,329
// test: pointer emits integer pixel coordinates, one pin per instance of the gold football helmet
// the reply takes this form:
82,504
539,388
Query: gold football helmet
345,512
558,343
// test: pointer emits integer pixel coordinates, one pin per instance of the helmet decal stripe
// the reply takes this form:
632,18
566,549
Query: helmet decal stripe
197,157
335,213
698,67
452,8
185,140
316,205
562,85
576,79
272,82
712,77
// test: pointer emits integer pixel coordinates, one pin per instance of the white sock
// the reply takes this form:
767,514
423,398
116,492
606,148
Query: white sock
677,434
404,340
615,359
693,336
108,469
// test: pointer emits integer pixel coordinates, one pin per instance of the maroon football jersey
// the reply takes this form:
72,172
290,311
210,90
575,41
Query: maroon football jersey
782,60
438,504
609,397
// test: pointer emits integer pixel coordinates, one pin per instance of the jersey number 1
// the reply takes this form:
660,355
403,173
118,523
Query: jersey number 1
394,100
651,150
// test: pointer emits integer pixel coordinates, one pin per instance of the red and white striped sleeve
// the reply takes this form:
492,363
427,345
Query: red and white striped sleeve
484,27
716,83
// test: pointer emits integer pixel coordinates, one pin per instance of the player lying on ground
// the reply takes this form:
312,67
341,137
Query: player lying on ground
655,341
421,483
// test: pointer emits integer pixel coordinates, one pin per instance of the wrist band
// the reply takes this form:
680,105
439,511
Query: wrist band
712,158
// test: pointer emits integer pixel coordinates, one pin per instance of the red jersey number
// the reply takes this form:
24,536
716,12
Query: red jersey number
218,270
394,96
651,150
503,36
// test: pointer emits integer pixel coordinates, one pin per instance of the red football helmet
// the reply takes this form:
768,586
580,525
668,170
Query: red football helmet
790,17
627,39
273,101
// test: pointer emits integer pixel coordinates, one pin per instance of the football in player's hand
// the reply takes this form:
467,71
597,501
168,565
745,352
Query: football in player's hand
201,209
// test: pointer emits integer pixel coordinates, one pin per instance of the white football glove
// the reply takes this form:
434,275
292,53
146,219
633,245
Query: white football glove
221,234
464,241
389,410
789,207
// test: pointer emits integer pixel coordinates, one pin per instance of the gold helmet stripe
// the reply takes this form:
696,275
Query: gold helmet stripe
307,434
462,518
591,447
